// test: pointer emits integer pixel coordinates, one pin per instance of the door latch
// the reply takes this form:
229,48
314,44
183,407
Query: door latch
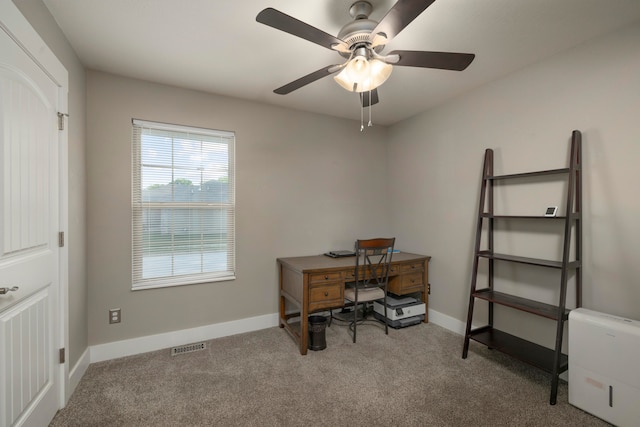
6,290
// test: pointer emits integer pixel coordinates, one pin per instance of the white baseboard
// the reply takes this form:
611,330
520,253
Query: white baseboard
447,322
113,350
77,372
145,344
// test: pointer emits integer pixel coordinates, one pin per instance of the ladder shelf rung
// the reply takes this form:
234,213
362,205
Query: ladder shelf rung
530,174
488,215
526,351
530,306
527,260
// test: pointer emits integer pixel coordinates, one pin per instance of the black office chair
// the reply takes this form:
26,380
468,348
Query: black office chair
373,259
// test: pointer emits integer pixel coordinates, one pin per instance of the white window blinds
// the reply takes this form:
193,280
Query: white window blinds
183,205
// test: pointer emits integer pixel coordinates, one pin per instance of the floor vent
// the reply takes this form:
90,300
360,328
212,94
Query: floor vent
189,348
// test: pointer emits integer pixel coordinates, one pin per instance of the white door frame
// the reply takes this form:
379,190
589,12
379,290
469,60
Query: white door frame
17,26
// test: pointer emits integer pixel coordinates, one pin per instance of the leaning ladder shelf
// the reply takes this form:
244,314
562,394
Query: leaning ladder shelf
552,361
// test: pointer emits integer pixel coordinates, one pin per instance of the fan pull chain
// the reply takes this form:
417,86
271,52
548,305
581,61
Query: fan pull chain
361,117
370,124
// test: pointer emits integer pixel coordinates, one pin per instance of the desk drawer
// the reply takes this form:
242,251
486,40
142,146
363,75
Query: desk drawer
409,268
394,270
406,283
325,277
326,296
411,280
350,276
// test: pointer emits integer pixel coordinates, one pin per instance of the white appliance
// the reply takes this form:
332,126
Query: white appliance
604,358
399,308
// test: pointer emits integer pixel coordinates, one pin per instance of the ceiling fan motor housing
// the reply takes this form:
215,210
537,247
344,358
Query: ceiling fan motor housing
356,33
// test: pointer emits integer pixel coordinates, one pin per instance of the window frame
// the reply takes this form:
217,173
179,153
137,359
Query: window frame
139,205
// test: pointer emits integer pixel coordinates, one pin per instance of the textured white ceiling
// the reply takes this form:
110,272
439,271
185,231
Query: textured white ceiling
217,46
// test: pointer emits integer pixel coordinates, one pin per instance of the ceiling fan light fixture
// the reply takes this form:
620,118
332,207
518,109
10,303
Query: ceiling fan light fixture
358,69
342,79
362,74
380,72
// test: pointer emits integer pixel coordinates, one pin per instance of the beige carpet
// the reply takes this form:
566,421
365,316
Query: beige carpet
412,377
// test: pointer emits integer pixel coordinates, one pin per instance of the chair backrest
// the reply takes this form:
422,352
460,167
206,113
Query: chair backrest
373,260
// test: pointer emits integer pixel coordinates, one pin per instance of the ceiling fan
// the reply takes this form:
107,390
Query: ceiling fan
361,41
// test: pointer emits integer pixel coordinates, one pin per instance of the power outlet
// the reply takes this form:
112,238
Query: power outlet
115,315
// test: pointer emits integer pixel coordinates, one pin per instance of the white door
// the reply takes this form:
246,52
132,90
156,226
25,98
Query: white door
29,253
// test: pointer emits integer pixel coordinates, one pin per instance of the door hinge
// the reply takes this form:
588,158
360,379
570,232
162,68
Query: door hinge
61,239
62,355
61,117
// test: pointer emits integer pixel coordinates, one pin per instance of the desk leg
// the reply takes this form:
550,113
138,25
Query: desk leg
283,317
294,289
425,293
425,300
304,332
304,316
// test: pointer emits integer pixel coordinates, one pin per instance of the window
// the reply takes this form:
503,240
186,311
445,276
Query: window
182,205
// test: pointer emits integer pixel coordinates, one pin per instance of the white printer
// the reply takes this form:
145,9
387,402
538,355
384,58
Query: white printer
401,311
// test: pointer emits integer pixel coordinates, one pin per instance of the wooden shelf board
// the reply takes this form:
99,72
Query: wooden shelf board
526,351
487,215
521,259
530,306
530,261
530,174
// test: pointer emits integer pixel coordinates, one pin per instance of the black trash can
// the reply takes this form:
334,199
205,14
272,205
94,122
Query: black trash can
317,337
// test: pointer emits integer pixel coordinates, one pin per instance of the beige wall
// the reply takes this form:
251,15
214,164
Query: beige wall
303,188
435,168
305,184
40,18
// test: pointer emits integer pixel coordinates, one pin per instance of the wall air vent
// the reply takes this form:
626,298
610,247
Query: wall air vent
189,348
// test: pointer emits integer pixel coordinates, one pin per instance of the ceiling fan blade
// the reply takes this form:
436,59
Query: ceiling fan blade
398,17
281,21
442,60
309,78
364,98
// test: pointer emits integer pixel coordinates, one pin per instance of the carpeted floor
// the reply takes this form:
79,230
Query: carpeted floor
412,377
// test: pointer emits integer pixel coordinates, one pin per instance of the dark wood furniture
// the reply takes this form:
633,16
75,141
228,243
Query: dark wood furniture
314,283
549,360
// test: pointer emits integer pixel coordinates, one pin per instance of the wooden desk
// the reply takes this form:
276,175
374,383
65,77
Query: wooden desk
314,283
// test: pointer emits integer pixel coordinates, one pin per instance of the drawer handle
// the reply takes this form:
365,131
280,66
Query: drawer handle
326,277
326,294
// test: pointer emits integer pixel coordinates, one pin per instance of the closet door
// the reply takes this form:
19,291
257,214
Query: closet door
29,253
